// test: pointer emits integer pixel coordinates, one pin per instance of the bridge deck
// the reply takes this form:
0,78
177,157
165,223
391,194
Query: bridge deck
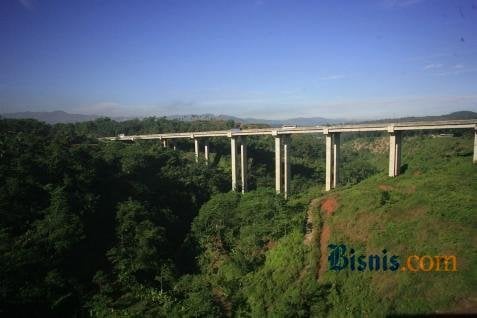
405,126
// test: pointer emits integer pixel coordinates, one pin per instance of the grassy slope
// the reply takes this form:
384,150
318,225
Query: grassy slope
422,214
430,211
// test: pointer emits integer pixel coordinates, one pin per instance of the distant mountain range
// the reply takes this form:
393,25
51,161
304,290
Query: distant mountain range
55,117
300,121
58,116
452,116
51,117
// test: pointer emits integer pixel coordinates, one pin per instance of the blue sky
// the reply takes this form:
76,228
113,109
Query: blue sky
256,58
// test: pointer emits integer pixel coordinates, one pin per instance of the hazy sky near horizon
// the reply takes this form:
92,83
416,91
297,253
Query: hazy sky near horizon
255,58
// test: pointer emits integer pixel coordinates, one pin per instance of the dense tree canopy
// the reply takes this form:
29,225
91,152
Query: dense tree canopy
94,228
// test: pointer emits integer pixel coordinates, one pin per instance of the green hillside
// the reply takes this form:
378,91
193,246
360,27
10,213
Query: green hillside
428,210
99,229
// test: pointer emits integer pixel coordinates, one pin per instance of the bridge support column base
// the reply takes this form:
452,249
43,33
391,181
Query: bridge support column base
233,159
243,163
395,150
196,149
286,166
475,145
278,164
332,160
206,153
282,164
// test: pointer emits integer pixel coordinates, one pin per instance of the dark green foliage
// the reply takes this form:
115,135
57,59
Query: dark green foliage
136,255
81,217
90,228
385,196
104,127
284,284
254,256
197,298
244,224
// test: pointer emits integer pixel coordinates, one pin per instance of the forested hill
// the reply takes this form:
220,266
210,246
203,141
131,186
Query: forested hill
61,117
80,218
90,228
104,127
452,116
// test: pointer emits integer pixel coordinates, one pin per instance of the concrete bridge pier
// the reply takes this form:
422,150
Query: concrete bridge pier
332,159
243,163
282,164
196,149
278,163
395,149
233,159
206,152
475,144
286,165
164,143
235,142
336,159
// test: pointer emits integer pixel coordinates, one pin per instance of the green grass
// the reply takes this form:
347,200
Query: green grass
256,262
428,210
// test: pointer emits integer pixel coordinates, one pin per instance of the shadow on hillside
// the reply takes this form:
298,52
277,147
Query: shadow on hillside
403,168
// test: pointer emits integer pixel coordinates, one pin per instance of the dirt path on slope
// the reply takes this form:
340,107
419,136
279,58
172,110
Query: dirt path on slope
311,228
316,235
222,300
324,239
328,207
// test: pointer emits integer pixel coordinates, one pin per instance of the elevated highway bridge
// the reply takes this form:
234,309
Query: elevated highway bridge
332,135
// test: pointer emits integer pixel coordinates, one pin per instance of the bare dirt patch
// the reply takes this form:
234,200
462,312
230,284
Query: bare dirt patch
409,190
311,226
418,212
385,187
270,244
329,205
222,300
